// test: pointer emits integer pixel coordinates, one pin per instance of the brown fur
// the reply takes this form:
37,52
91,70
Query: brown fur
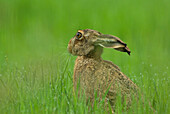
97,75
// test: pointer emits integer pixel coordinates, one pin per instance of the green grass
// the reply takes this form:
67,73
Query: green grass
36,69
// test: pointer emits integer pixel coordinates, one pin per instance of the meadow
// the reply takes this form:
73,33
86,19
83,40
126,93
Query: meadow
36,69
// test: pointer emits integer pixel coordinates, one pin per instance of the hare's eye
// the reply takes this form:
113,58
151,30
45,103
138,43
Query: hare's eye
78,35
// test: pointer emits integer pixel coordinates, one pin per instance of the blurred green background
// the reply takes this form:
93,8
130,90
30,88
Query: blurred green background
33,28
37,30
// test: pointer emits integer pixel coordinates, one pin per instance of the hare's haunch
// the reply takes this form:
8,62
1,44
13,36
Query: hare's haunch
93,74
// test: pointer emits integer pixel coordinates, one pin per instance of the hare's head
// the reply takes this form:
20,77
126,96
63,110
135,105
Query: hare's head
89,41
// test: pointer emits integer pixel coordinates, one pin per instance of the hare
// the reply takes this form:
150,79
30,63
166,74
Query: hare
93,74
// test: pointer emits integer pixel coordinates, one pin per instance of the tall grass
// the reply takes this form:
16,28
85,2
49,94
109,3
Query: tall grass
36,69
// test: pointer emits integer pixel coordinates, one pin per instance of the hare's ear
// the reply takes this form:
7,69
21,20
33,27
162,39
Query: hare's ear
109,41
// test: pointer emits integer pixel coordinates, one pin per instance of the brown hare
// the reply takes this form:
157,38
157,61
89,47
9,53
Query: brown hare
97,75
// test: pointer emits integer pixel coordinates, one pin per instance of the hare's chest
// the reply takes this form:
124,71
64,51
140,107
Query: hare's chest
90,75
85,71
